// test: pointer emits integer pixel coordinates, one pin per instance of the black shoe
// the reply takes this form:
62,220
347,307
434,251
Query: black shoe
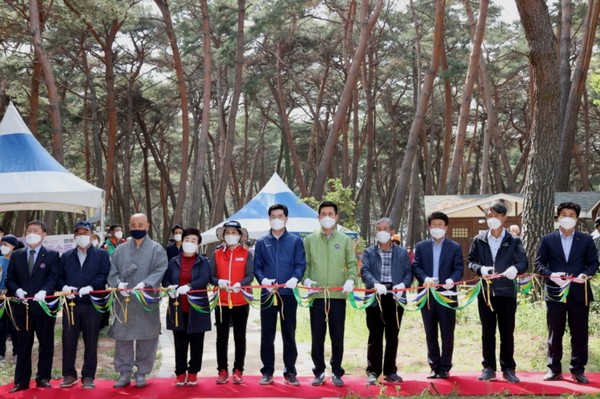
443,374
18,388
510,376
318,380
487,375
580,378
337,381
290,379
266,379
433,374
552,376
43,384
371,378
393,378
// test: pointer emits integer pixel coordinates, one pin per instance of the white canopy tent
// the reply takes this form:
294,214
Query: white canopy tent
31,179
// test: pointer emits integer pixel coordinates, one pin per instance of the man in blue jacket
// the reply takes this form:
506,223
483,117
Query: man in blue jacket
438,264
497,252
567,253
81,270
279,258
384,267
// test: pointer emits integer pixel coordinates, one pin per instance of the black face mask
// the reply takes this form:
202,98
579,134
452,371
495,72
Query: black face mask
137,234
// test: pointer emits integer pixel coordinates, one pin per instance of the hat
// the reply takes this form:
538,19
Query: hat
234,224
597,222
396,237
12,240
83,224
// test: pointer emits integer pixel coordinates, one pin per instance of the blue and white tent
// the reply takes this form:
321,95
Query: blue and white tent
31,179
302,219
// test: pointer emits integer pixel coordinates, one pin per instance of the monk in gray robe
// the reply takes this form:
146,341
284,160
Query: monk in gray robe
137,264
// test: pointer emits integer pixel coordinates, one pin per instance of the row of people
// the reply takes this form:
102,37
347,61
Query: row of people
324,259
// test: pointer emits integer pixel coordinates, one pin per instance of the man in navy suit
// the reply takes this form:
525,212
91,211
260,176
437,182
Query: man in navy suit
81,270
33,269
438,260
564,255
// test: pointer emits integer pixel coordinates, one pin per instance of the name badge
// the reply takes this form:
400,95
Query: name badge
239,259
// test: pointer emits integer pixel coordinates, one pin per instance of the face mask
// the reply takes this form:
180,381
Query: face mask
383,237
33,239
177,237
5,250
232,240
137,234
327,222
82,241
494,223
567,223
118,235
437,233
277,224
189,247
95,243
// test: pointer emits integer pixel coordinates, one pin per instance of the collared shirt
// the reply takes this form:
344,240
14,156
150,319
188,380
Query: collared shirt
495,243
566,242
386,264
81,255
35,255
437,252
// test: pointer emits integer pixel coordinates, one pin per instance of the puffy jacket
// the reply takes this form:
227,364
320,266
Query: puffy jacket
330,261
280,259
235,265
510,253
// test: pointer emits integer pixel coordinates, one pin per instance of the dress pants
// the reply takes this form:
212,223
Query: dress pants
86,320
503,315
577,314
7,328
285,311
320,320
437,316
43,328
184,341
385,321
238,315
143,358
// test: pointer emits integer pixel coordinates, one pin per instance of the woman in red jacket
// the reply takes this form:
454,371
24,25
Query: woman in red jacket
232,267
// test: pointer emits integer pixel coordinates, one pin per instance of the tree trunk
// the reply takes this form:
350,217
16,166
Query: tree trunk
538,206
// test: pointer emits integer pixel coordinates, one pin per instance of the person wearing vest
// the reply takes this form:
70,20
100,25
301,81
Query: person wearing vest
232,267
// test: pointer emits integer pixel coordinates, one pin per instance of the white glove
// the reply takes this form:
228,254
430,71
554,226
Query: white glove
39,296
308,283
268,281
183,290
400,286
348,286
380,288
68,291
449,284
140,286
236,287
511,273
556,278
429,282
20,293
580,279
291,283
85,290
122,287
171,291
486,271
223,283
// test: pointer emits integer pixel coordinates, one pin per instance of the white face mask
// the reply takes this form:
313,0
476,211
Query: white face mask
277,224
383,237
33,239
5,250
118,235
327,222
189,247
232,240
95,243
83,241
567,223
494,223
177,237
437,233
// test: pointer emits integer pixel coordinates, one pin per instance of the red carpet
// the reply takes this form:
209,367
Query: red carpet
415,384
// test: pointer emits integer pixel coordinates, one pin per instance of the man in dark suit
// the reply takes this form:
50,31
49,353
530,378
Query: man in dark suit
567,254
33,269
81,270
438,260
